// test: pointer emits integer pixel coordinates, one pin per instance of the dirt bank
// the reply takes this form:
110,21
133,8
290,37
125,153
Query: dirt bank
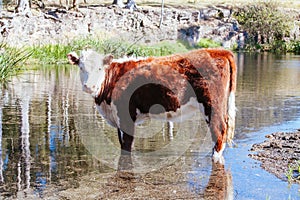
279,155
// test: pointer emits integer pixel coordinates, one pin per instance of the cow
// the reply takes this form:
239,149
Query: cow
126,91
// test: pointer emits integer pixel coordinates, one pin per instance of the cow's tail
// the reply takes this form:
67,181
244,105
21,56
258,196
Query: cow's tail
231,100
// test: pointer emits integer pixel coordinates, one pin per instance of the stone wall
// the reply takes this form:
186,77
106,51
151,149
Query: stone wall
143,25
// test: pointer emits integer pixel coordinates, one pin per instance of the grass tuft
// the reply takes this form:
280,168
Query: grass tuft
293,173
208,43
11,61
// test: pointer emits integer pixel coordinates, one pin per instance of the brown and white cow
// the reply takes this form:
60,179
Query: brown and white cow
172,87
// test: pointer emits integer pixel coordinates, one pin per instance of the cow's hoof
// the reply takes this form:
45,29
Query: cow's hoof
125,175
218,156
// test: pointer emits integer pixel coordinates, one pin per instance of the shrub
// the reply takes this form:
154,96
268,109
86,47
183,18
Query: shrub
294,46
264,23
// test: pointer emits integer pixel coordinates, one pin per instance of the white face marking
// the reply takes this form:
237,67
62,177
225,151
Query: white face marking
92,71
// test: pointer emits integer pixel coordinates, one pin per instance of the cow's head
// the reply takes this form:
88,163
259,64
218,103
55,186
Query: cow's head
92,69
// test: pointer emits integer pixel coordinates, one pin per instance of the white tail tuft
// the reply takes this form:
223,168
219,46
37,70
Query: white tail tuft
231,118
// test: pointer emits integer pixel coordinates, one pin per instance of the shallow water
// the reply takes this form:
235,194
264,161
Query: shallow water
52,138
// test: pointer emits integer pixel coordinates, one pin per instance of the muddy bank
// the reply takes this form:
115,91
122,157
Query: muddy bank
278,154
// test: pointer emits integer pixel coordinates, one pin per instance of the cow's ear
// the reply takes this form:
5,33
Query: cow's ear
108,59
73,58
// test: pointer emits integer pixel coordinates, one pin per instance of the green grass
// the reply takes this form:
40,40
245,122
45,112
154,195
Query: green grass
208,43
11,61
50,54
292,170
56,54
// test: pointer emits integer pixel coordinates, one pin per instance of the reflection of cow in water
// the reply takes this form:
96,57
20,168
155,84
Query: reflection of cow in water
170,87
220,184
159,185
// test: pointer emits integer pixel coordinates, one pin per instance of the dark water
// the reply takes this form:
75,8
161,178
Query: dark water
52,136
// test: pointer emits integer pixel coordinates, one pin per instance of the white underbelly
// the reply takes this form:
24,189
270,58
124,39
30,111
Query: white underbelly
183,113
110,113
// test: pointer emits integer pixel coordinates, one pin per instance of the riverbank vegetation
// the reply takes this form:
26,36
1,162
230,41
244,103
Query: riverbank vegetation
11,60
268,27
55,54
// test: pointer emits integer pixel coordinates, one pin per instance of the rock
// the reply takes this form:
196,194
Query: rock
190,34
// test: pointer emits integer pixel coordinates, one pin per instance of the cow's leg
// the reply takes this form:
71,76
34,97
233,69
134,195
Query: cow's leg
120,136
218,128
126,141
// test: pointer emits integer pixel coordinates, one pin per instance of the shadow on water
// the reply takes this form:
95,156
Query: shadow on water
53,142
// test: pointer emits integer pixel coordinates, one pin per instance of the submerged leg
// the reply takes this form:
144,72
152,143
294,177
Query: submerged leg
125,161
125,140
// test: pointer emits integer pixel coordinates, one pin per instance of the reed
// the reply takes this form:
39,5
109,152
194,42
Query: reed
11,60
